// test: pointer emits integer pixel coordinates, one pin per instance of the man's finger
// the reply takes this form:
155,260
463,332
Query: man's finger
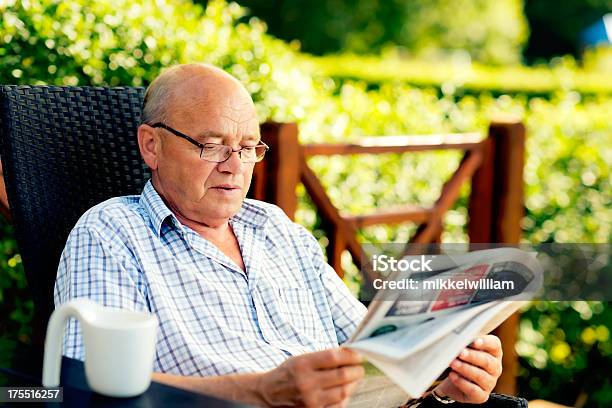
338,394
489,343
338,376
472,392
333,358
483,360
474,374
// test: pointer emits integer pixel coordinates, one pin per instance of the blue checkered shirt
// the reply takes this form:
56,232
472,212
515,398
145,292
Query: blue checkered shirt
131,252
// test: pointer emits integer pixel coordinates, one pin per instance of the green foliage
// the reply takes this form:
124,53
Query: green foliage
458,74
567,174
492,32
15,302
598,59
123,42
566,352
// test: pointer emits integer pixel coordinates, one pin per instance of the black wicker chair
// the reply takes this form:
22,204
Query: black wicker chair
64,149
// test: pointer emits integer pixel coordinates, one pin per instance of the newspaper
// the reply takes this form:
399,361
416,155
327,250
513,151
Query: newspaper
413,334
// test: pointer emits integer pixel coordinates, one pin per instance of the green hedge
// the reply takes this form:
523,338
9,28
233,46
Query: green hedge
567,171
15,301
566,353
460,75
491,32
120,42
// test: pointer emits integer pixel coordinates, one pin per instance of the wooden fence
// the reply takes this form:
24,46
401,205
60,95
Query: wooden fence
493,164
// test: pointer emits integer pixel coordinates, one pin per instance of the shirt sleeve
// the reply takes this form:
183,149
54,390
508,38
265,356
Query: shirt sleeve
96,267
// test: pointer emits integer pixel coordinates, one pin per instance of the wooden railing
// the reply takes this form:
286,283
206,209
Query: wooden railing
493,164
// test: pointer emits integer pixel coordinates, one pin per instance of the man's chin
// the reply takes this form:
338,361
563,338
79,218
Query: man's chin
226,211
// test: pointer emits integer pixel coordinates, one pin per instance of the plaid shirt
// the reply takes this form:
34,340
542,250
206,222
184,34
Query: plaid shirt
131,252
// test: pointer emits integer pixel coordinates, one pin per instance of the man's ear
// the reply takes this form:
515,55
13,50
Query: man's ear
149,145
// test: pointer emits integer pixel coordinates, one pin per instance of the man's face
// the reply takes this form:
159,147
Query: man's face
199,190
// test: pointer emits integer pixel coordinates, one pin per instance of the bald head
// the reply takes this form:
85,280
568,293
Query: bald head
185,84
212,108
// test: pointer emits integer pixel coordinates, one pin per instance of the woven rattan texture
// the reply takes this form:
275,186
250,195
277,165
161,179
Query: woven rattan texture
64,149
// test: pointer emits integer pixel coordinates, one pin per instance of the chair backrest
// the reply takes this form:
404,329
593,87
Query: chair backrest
64,149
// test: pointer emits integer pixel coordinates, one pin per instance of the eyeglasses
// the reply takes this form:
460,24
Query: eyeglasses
218,153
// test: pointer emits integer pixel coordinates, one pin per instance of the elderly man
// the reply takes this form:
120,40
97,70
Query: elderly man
248,308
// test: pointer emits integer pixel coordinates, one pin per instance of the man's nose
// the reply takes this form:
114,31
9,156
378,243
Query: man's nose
232,165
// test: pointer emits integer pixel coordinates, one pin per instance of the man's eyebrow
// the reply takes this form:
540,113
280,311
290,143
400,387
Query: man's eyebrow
251,137
211,134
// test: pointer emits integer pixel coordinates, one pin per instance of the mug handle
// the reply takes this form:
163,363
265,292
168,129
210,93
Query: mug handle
83,310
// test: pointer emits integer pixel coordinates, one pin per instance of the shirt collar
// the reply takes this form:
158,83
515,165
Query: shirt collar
250,212
155,207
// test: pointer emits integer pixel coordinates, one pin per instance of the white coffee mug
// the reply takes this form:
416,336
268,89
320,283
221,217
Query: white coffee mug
119,347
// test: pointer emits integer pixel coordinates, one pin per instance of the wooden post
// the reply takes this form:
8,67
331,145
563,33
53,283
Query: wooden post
496,202
480,208
496,210
280,173
508,207
335,248
258,182
508,211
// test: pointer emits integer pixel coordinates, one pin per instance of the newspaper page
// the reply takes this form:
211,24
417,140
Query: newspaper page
416,372
413,336
457,282
376,390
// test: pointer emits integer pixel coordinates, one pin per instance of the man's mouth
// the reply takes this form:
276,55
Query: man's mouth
227,187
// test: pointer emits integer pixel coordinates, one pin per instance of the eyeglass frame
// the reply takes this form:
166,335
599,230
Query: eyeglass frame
202,145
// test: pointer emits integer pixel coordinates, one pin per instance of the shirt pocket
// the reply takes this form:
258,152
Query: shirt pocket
298,309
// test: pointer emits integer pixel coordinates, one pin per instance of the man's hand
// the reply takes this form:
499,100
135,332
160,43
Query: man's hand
322,379
475,372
